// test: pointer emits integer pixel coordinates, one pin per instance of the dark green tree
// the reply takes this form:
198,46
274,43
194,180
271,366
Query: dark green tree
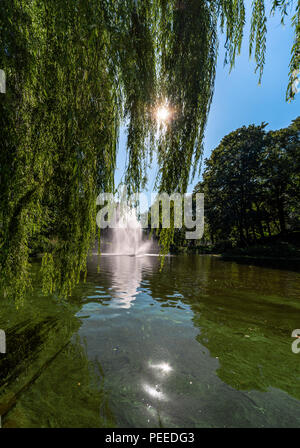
231,186
251,184
281,171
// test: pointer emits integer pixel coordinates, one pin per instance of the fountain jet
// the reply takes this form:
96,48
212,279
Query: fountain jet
127,236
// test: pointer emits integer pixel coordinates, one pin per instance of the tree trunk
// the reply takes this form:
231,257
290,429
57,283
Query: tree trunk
280,208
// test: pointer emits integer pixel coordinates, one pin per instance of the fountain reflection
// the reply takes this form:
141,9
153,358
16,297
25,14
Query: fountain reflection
126,275
122,276
128,252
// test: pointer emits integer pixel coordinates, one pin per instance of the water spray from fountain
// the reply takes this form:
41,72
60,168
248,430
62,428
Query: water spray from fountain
126,236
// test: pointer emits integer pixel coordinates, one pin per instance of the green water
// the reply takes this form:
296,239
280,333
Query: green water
204,343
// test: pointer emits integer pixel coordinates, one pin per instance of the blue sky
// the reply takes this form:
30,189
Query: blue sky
238,99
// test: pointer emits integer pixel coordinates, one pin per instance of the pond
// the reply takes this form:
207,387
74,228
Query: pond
201,343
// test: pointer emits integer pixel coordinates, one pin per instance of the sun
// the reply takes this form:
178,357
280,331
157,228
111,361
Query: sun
163,113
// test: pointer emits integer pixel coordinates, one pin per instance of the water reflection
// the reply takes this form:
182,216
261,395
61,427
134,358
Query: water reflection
125,274
243,315
154,392
46,371
162,368
206,344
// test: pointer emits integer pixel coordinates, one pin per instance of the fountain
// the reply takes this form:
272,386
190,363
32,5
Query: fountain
126,235
128,253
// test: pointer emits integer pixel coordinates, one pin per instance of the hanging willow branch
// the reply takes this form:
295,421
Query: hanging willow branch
74,71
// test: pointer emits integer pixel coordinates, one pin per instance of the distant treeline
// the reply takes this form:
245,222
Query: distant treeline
251,184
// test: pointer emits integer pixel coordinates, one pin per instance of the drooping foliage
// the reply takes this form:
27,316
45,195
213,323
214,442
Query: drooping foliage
75,70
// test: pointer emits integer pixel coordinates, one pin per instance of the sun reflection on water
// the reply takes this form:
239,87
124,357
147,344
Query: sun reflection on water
162,367
154,392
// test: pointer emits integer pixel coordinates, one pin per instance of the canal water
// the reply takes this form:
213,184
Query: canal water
201,343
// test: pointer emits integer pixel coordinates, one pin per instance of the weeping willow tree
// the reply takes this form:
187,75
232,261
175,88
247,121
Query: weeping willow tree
75,71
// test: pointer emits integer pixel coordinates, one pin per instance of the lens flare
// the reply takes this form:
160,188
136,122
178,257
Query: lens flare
163,113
